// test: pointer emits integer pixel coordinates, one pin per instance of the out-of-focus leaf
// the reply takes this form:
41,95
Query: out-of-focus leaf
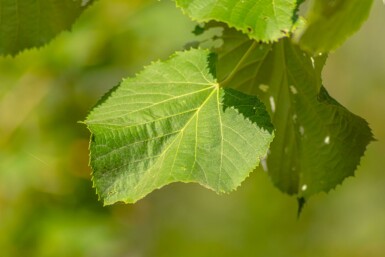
331,22
32,23
174,122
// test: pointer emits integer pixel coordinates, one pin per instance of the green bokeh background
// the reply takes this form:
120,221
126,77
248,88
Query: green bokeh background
48,206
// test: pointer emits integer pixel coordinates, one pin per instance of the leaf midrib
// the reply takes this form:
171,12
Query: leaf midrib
215,88
97,122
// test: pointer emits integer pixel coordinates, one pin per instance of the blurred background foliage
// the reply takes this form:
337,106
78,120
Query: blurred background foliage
49,208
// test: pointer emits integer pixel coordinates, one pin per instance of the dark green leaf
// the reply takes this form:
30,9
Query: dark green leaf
32,23
318,142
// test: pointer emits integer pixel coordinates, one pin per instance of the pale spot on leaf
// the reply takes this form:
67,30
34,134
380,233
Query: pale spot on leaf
272,103
293,89
327,140
263,87
302,130
312,62
264,164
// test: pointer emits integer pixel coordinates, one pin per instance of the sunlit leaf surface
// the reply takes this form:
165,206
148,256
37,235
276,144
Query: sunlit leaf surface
265,20
174,122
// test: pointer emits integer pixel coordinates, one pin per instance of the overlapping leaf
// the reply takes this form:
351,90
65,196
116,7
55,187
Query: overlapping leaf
318,142
174,122
264,20
331,22
32,23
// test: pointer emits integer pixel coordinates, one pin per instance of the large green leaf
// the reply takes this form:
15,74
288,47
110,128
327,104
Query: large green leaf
318,142
32,23
331,22
265,20
174,122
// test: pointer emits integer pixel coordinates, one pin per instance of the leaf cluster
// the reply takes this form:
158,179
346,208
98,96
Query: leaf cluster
248,92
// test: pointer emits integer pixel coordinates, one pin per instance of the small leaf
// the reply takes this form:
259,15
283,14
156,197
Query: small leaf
174,122
318,142
331,22
264,20
32,23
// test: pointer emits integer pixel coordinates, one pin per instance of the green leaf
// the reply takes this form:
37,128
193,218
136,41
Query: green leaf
264,20
331,22
32,23
173,122
318,142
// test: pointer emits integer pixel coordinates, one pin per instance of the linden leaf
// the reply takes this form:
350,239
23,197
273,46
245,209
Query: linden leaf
318,142
264,20
173,122
331,22
32,23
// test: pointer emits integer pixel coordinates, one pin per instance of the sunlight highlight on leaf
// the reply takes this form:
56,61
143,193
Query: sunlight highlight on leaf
264,20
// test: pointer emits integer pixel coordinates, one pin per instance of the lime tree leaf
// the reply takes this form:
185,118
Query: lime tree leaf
331,22
32,23
264,20
318,142
173,122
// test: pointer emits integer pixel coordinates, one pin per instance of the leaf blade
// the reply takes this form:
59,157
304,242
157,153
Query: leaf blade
191,131
30,23
264,20
318,142
331,22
